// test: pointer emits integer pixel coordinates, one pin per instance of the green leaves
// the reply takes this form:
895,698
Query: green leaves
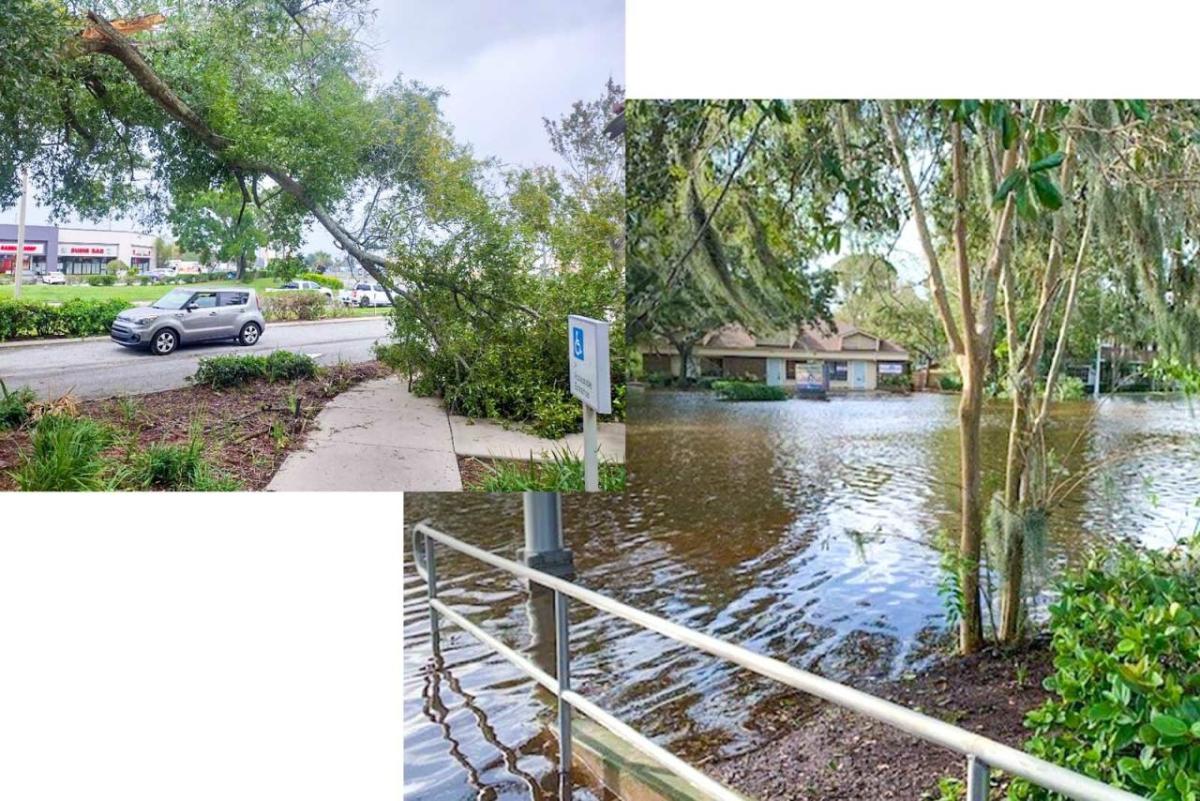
1015,182
1047,193
1169,726
1126,652
1047,163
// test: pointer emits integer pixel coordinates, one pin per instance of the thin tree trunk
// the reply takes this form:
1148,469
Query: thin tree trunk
971,521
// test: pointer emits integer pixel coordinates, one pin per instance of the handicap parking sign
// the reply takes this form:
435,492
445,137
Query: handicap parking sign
577,339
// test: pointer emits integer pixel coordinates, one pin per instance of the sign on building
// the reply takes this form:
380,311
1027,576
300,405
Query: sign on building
589,360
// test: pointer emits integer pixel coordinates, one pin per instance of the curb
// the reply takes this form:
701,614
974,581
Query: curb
33,343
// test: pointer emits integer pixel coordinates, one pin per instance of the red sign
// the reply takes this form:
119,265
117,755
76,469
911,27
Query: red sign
11,247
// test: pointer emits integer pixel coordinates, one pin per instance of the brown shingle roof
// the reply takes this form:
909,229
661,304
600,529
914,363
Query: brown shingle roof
813,338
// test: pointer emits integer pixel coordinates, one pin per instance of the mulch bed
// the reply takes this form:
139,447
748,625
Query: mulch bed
236,423
828,753
473,471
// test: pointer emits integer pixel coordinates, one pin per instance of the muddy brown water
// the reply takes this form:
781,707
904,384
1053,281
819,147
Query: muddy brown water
808,531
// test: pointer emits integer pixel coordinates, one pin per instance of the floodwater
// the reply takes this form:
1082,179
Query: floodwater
804,530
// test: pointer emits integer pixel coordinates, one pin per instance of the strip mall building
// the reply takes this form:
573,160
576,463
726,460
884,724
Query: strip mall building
75,251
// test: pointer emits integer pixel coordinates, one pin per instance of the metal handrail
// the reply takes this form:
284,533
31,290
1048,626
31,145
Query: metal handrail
982,753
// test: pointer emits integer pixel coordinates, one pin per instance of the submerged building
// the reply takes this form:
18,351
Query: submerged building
841,358
75,251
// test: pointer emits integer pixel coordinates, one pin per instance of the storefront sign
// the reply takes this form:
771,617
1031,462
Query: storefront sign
140,252
891,368
88,251
31,248
590,362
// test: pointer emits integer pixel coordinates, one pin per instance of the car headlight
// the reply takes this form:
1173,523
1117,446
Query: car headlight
145,321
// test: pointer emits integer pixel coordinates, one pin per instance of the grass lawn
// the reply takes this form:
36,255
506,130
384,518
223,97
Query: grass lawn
133,294
148,294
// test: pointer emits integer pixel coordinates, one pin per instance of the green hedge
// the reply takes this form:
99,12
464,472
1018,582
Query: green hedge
327,281
78,317
748,391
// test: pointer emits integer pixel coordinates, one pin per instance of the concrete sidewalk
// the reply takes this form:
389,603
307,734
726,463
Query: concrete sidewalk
375,437
487,439
380,437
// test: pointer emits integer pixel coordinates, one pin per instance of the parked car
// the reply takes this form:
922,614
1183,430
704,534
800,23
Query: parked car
365,294
54,278
308,286
184,316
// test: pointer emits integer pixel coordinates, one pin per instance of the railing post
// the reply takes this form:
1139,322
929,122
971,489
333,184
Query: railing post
563,645
977,779
431,593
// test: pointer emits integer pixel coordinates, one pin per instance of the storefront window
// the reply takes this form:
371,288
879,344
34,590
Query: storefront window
73,265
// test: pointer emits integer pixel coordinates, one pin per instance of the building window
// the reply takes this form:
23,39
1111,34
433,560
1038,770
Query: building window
74,265
839,371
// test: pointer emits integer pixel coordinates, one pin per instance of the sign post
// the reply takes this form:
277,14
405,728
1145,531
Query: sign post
21,234
590,382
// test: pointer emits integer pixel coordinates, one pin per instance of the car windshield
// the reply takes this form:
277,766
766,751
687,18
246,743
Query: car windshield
175,299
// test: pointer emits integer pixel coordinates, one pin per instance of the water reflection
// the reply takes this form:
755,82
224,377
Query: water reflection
804,530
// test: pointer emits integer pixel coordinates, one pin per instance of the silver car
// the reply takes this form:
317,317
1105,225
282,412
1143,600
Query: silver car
184,316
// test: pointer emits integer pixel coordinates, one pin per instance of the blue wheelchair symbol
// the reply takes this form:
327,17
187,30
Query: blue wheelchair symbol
577,340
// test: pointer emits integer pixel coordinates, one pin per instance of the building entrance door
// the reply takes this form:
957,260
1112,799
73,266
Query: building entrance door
858,375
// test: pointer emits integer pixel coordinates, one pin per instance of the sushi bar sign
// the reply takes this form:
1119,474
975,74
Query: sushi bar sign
87,250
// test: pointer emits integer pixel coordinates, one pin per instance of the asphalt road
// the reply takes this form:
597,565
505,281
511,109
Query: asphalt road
101,369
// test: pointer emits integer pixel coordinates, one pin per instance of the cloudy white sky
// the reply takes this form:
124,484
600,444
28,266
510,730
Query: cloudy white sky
505,65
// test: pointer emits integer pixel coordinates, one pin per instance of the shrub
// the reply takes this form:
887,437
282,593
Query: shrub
77,317
1068,388
284,365
891,381
295,305
659,379
1126,705
219,372
327,281
101,280
116,267
554,417
65,455
563,474
15,406
950,382
747,391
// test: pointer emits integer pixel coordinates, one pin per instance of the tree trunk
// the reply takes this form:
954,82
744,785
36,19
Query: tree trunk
685,357
241,270
1014,530
970,407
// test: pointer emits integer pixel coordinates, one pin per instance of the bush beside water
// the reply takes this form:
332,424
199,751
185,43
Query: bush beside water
747,391
1126,642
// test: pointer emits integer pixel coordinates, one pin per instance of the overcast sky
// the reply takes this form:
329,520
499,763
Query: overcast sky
505,66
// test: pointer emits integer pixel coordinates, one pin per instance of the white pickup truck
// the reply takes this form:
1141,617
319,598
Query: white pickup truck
365,294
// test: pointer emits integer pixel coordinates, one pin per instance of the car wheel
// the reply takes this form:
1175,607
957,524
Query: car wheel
365,302
250,334
164,342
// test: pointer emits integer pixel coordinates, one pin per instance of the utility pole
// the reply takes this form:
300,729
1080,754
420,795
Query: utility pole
21,233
